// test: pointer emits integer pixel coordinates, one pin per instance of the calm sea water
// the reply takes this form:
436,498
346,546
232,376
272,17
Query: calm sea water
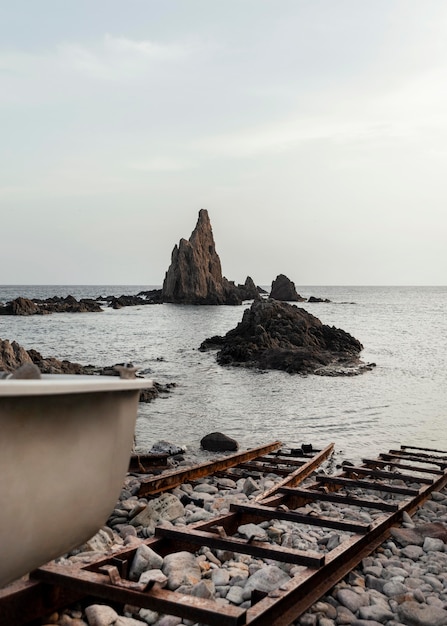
402,401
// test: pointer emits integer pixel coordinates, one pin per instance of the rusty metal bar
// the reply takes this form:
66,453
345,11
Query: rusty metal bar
420,456
363,484
308,494
268,513
289,602
423,449
265,468
422,470
300,474
25,601
254,548
160,600
406,478
174,478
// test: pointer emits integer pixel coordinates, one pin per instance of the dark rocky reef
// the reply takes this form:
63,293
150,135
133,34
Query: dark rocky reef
277,335
13,356
142,298
283,289
25,306
316,299
195,273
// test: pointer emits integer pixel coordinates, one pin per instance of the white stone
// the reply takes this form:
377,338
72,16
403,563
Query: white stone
181,568
100,615
145,558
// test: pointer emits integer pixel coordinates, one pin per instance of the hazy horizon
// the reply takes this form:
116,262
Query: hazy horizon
313,132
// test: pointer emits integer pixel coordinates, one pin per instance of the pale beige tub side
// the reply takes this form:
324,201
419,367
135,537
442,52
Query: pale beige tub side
63,458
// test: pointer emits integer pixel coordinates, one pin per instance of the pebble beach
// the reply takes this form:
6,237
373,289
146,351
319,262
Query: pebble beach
403,583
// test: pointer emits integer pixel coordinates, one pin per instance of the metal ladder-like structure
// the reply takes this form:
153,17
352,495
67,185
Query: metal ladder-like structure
394,482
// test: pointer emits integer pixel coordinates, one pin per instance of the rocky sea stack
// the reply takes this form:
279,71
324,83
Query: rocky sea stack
195,273
277,335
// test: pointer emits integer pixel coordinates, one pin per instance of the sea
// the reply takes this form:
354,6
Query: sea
402,401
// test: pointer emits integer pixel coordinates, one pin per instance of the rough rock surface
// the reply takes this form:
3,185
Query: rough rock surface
277,335
195,273
24,306
13,356
218,442
284,289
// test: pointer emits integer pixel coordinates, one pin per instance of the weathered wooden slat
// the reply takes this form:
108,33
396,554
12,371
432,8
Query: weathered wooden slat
404,466
259,549
308,494
267,513
406,478
364,484
171,479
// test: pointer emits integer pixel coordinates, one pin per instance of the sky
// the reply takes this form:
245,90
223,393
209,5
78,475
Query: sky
313,131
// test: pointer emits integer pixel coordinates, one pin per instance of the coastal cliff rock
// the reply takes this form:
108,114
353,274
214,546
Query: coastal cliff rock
284,289
195,273
13,356
277,335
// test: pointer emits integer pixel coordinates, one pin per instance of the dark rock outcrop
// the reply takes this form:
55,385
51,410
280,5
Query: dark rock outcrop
315,299
284,289
277,335
24,306
218,442
13,356
195,273
21,306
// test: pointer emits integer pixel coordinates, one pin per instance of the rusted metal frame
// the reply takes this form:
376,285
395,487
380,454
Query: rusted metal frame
255,548
406,478
160,600
422,470
283,606
365,484
309,495
300,474
25,601
174,478
267,513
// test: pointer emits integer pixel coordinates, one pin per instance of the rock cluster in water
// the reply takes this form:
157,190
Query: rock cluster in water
13,356
25,306
277,335
195,273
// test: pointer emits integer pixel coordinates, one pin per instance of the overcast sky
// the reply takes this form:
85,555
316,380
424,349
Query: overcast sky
313,131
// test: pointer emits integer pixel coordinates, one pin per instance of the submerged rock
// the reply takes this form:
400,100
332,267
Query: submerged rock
277,335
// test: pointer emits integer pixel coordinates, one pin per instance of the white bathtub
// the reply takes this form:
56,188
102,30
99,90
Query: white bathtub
65,443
